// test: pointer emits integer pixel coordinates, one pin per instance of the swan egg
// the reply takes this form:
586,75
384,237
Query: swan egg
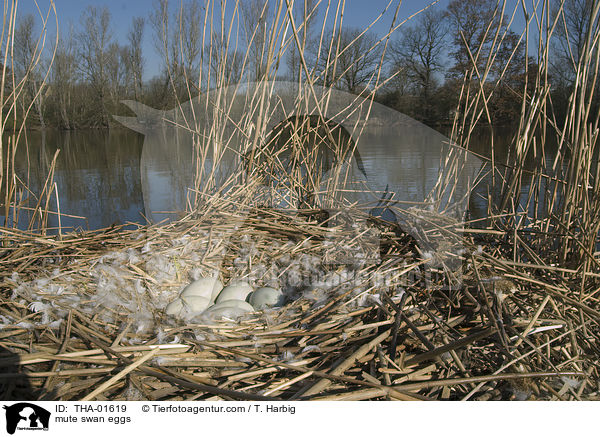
265,297
208,288
238,291
174,307
196,304
231,309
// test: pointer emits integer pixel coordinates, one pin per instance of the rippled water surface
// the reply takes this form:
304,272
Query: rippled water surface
105,176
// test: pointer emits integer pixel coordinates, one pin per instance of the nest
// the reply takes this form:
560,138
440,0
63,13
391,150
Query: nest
82,315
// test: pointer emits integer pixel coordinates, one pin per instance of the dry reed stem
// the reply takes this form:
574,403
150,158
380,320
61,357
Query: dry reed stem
542,326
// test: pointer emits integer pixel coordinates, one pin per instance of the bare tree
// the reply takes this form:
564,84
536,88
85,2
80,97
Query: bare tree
571,33
254,15
159,19
116,70
64,74
305,13
135,59
575,24
396,91
420,52
94,41
354,65
179,41
189,36
225,63
26,60
473,23
509,77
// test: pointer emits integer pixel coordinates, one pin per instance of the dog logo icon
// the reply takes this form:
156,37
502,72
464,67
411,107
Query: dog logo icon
26,416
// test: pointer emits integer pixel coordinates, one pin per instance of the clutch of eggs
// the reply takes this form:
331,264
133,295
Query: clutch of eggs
231,301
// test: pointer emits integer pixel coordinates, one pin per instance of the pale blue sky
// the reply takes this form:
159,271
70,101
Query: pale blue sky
358,13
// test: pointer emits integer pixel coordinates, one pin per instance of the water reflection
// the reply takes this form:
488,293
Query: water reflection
486,189
168,169
97,175
400,154
408,160
111,176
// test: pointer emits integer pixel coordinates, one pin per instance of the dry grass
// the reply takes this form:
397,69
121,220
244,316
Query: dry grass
522,324
509,331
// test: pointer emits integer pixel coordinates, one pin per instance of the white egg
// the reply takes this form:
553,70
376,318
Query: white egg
236,291
208,288
226,312
230,308
240,306
265,297
196,304
174,307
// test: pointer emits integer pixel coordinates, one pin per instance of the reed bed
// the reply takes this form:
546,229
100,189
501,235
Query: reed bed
510,331
82,313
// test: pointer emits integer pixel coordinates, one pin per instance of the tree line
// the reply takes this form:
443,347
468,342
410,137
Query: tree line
422,66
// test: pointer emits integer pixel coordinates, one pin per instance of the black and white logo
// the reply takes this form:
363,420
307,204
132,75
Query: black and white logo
26,417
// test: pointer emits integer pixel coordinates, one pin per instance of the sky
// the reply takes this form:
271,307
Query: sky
358,13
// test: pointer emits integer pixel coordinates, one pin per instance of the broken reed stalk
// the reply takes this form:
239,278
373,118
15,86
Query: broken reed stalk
402,347
559,200
13,121
267,50
511,313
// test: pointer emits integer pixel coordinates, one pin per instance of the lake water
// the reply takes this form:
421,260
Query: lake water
105,177
97,175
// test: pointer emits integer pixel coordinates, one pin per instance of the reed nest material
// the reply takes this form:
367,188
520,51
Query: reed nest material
82,318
